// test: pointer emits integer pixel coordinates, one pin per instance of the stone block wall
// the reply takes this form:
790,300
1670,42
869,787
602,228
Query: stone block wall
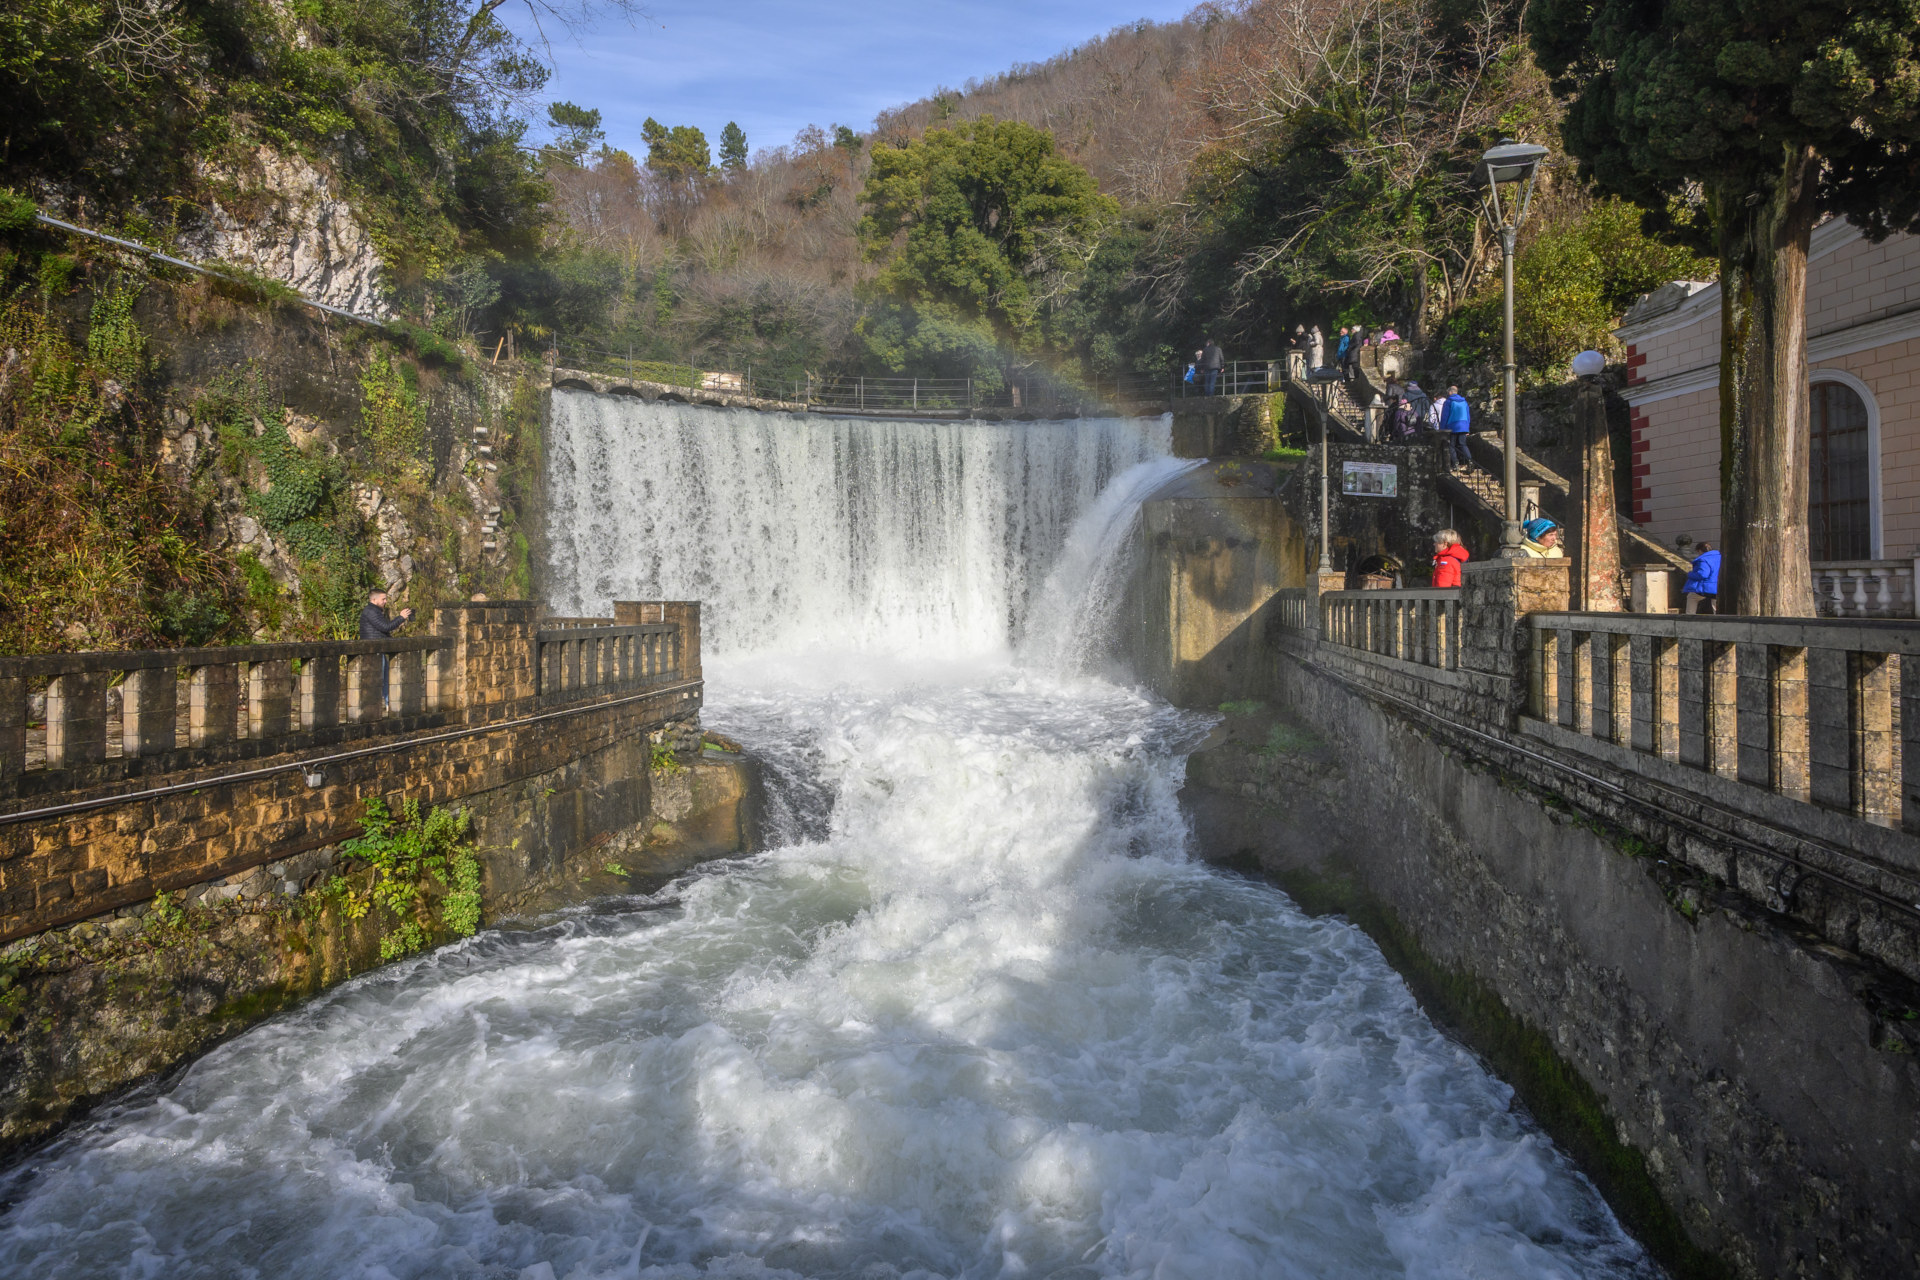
213,816
1755,1086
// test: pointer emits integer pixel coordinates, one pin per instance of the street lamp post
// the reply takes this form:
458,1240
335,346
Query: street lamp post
1326,548
1509,164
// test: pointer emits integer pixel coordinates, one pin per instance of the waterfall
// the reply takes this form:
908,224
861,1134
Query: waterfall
977,1015
803,533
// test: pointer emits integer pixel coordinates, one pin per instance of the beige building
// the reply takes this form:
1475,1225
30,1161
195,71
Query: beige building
1863,353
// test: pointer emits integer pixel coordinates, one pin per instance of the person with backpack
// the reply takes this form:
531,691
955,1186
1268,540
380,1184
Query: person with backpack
1456,420
1341,351
1448,555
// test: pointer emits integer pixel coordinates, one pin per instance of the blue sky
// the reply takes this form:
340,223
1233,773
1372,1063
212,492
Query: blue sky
775,67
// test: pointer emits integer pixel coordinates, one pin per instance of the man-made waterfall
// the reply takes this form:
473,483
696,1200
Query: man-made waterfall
980,1015
800,533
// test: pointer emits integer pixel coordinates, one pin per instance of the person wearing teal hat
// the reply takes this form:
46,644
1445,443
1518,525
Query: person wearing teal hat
1542,539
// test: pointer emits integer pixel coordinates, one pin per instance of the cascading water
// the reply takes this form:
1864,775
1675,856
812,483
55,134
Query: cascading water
909,538
979,1015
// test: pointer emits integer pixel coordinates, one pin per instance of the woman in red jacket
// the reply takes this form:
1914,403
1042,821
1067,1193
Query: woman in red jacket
1448,556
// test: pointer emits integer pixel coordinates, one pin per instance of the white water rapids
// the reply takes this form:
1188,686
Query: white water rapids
979,1015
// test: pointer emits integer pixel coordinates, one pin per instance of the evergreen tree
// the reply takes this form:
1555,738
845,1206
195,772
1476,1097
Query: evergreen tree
575,131
981,221
1782,112
733,148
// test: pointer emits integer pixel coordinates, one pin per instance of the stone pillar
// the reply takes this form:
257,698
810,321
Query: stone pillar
490,673
320,692
13,725
1320,584
1495,598
148,705
1595,533
213,704
269,698
77,719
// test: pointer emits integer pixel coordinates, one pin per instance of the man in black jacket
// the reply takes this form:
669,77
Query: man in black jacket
375,625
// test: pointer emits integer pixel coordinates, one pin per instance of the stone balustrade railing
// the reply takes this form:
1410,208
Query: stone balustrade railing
156,703
1808,709
1864,588
1298,609
88,719
1420,625
606,658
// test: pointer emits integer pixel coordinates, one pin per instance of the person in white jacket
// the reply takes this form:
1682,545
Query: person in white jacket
1317,349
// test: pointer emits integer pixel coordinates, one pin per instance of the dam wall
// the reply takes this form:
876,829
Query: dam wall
1215,548
1596,847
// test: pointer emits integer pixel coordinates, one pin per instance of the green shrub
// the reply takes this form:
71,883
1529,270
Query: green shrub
406,853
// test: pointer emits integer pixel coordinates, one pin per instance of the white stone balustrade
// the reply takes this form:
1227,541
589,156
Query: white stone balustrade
1864,588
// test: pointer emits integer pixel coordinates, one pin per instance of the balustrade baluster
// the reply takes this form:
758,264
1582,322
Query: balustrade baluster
1694,716
13,726
77,719
1620,689
1788,734
320,692
213,704
1543,675
1883,593
149,711
366,688
1753,714
269,698
407,683
1857,602
1876,772
1582,691
1723,709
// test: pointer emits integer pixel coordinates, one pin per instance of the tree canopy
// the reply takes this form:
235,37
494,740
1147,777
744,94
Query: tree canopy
1778,112
984,219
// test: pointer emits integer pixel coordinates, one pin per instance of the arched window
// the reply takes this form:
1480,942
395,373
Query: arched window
1840,490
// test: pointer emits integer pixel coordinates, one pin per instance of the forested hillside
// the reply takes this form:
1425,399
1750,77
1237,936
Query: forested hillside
1257,164
1262,163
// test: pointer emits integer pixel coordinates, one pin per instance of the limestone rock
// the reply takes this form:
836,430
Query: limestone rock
307,237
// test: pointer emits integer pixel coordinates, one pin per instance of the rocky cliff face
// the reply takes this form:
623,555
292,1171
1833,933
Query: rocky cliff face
281,218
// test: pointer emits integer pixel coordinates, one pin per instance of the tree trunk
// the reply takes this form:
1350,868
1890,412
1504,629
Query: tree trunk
1764,460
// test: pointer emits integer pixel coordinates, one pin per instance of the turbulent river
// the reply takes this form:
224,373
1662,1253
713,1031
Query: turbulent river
978,1014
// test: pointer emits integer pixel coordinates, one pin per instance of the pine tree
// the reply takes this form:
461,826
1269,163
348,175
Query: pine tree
733,149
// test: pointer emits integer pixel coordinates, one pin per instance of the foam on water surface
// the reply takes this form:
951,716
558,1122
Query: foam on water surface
978,1015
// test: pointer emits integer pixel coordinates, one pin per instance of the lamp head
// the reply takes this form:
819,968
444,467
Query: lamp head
1589,364
1509,162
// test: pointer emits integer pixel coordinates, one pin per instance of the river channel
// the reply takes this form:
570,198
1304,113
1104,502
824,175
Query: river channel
978,1011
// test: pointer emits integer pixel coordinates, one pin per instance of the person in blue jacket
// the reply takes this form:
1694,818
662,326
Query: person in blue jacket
1703,584
1456,419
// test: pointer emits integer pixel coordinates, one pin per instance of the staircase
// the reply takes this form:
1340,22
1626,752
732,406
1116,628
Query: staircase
1481,487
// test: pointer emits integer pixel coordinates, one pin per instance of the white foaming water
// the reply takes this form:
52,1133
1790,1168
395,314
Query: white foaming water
1076,608
979,1016
795,533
